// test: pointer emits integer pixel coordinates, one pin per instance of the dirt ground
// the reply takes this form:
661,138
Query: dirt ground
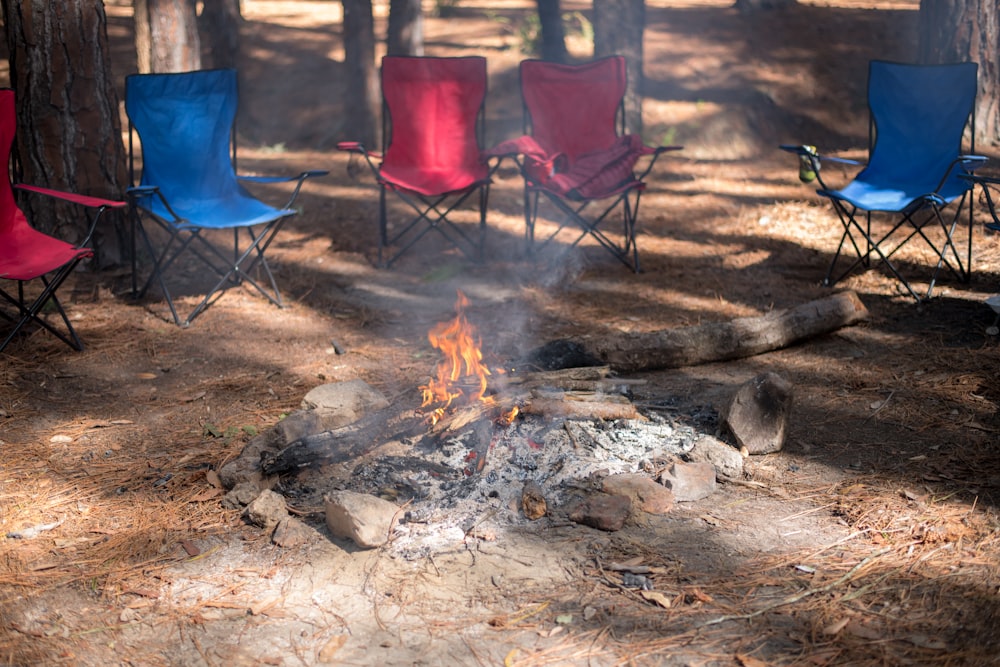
871,539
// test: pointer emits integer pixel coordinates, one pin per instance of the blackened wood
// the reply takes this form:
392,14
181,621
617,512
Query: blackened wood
346,443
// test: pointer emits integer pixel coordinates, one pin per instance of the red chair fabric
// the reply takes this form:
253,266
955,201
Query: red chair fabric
433,119
575,151
27,254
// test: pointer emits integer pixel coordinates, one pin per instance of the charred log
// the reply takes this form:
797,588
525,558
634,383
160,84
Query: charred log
344,444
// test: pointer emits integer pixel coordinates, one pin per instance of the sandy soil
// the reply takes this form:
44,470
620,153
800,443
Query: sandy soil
870,539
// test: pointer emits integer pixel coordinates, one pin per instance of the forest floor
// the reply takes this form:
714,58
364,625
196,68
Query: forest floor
870,539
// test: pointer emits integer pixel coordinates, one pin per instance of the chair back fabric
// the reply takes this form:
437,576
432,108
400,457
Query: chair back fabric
185,124
919,114
9,211
573,108
434,109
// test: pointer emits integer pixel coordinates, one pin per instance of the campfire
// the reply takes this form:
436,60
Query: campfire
462,378
482,439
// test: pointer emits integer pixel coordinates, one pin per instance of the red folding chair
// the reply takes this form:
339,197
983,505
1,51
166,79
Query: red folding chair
27,254
433,121
576,155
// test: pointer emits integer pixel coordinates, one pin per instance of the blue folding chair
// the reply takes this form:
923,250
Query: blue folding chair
185,123
918,115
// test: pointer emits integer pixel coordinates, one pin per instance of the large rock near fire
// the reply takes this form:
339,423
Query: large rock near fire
644,492
602,511
345,402
366,520
726,459
266,510
689,481
758,413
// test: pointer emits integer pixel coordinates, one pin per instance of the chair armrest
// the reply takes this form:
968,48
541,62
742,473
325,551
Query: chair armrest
83,200
664,149
141,191
968,163
972,162
655,152
99,203
358,148
312,173
810,162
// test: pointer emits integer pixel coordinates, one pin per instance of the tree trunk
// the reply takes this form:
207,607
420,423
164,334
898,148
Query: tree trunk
405,34
69,130
362,76
553,33
961,30
219,32
722,341
618,29
166,36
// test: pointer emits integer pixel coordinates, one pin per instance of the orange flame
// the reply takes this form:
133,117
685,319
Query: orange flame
461,374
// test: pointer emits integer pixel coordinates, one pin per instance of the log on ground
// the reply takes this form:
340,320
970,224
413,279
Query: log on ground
724,341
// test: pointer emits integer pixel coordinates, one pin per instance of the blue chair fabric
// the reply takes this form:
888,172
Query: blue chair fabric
185,123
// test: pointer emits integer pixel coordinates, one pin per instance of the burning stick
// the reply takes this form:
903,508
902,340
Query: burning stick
462,373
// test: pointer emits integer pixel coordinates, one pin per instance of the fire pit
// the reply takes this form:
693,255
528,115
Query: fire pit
466,459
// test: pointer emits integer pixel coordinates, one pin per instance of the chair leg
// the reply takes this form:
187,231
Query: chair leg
530,216
432,215
32,313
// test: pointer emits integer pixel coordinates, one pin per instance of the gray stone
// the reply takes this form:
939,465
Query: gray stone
689,481
365,519
241,495
346,402
266,510
291,533
727,459
758,413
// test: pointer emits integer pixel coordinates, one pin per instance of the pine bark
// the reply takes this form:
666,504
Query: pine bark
166,36
553,33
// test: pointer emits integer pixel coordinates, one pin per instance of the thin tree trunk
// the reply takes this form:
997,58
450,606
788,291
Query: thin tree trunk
405,34
69,129
166,36
618,29
219,32
362,75
553,33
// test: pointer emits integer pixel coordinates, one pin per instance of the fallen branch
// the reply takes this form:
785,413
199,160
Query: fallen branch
723,341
